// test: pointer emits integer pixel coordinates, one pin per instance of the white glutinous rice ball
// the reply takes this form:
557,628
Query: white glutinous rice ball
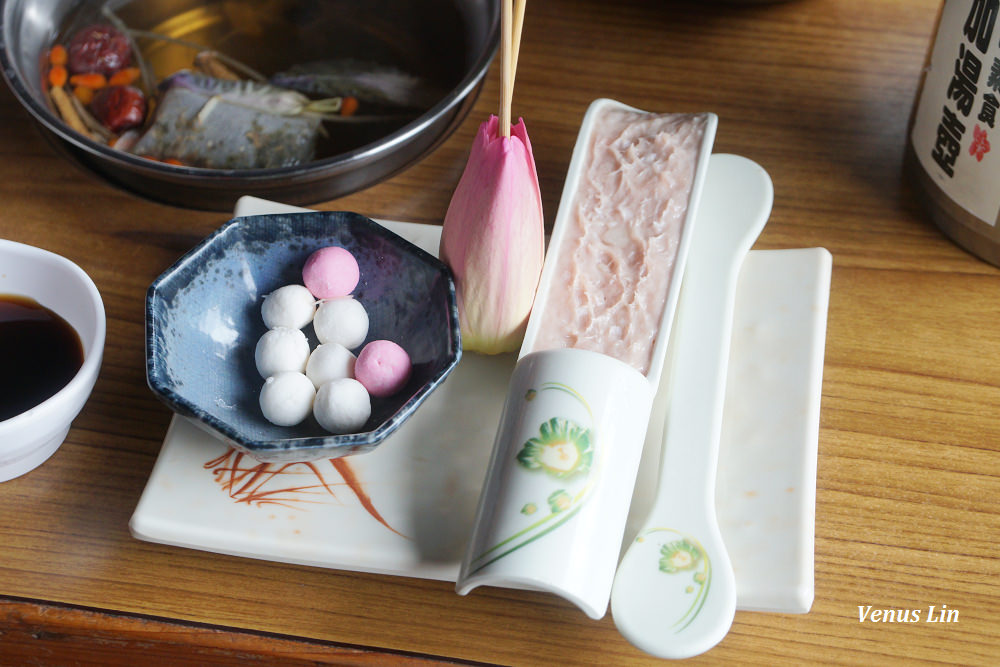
330,361
343,321
281,349
286,399
291,306
342,406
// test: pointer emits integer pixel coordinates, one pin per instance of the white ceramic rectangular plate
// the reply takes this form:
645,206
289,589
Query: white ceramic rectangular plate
409,508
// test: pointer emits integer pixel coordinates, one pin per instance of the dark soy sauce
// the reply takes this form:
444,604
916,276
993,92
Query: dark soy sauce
39,354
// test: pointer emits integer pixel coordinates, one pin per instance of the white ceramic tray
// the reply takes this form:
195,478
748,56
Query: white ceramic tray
407,507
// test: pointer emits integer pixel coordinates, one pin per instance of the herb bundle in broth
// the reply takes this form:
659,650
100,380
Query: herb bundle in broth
252,84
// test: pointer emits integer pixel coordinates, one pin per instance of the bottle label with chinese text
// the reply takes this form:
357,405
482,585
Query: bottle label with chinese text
956,115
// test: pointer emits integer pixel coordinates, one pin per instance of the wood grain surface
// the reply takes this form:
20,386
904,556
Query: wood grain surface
818,92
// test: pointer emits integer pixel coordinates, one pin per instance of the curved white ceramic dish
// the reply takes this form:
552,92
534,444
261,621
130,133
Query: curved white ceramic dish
425,481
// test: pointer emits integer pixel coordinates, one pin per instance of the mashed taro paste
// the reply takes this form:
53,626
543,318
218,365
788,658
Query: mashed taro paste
617,256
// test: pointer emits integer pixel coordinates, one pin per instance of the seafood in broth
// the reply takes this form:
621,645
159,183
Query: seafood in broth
223,124
367,81
214,112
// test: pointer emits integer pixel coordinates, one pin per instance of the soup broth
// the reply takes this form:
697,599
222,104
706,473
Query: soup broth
423,40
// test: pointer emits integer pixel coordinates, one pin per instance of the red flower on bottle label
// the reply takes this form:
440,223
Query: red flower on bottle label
980,145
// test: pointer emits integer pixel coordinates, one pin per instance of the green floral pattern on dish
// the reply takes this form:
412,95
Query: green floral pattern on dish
684,555
561,449
560,501
678,556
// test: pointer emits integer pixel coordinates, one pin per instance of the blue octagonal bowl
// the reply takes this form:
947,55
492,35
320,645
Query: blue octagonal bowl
203,321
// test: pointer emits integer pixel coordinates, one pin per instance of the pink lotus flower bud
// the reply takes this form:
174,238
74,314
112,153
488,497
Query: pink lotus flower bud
494,239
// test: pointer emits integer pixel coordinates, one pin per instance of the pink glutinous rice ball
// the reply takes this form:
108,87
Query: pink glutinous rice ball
383,367
331,272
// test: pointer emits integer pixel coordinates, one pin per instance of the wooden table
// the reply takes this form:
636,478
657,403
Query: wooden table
818,92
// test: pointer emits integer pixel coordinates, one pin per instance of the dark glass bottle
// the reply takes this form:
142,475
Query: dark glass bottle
953,146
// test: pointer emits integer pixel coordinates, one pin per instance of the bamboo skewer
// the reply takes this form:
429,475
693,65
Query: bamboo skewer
511,23
515,47
505,73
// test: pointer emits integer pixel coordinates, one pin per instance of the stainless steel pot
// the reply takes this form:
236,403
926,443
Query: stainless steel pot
28,28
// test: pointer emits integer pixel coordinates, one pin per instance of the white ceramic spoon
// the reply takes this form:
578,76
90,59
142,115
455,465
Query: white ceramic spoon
674,594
